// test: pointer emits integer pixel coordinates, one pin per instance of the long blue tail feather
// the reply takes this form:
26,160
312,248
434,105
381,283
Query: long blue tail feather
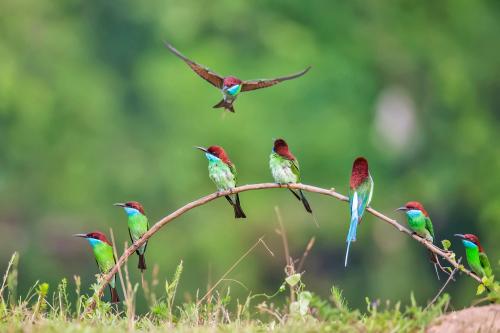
351,235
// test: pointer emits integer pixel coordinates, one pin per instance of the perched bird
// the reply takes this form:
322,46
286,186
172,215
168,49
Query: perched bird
421,224
360,196
476,257
230,86
223,173
137,226
103,252
285,169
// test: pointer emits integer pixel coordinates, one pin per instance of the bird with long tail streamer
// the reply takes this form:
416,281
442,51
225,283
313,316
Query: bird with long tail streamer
360,196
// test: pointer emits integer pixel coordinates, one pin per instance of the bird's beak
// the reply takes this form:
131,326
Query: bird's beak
119,204
80,235
401,208
459,235
203,149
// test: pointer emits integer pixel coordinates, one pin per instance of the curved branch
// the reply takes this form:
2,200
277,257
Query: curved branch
251,187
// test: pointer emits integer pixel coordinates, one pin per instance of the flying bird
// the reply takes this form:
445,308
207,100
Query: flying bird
138,225
103,252
476,257
421,224
231,86
285,169
360,196
223,173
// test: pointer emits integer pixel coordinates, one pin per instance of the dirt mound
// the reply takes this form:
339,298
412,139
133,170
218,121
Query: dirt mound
477,319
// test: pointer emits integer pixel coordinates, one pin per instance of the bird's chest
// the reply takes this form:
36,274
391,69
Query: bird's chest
282,171
231,92
221,175
472,255
137,224
418,225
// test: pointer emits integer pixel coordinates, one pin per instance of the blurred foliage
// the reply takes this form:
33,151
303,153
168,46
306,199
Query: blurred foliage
94,110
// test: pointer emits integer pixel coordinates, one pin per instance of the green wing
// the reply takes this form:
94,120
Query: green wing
364,192
485,263
232,168
295,169
429,227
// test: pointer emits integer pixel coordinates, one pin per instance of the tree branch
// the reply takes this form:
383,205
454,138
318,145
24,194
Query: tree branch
251,187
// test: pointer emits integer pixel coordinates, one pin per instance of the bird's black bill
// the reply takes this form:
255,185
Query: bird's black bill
203,149
80,235
401,208
119,204
459,235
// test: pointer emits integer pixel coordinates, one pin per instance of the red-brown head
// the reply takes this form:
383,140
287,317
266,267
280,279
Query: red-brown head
131,205
96,235
231,81
281,148
471,238
359,172
414,205
218,152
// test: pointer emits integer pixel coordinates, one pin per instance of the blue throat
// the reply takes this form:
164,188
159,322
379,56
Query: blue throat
131,211
212,158
93,242
413,213
469,244
233,90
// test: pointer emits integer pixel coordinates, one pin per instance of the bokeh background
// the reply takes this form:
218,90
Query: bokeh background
94,110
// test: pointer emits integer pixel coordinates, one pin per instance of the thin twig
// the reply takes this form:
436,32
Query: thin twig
450,278
251,187
230,270
289,268
120,276
309,246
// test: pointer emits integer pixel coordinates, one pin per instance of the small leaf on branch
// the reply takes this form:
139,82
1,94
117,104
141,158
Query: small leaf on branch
293,279
480,289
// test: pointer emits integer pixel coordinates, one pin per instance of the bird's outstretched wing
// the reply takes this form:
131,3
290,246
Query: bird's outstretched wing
207,74
264,83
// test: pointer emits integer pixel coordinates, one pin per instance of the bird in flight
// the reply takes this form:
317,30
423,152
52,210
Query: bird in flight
231,86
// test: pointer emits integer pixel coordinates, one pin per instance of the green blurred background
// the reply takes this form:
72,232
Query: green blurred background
94,110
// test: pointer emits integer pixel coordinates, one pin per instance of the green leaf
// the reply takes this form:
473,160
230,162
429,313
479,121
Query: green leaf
446,244
480,289
304,300
292,280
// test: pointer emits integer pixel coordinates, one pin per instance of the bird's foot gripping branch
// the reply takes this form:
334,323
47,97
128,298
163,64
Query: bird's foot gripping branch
441,253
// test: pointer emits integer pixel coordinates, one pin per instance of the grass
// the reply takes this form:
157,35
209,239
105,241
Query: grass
43,310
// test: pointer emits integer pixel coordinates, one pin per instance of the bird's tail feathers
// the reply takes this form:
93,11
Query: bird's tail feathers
347,253
435,260
224,104
305,202
351,235
114,295
238,211
142,262
295,194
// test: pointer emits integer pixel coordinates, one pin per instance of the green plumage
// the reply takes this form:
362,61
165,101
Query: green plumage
478,261
222,174
138,225
284,170
420,224
104,257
